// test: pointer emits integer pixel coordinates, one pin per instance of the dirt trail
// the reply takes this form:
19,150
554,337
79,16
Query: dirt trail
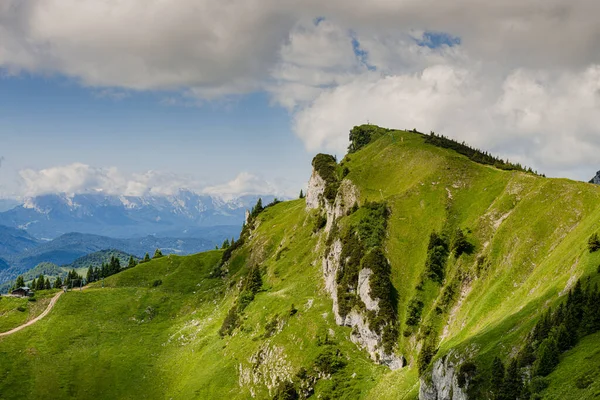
36,319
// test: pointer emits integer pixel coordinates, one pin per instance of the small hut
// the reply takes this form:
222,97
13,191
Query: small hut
22,292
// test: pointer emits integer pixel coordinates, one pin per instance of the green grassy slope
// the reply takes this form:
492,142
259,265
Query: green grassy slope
138,338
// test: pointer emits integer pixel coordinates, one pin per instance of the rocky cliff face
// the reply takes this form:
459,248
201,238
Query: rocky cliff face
362,335
443,384
596,179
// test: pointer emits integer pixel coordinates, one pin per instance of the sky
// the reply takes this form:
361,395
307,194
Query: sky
136,97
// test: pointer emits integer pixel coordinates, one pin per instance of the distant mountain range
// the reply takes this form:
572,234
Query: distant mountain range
23,252
59,228
185,214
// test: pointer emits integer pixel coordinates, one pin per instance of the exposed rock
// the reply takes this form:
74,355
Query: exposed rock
361,334
364,290
267,366
444,381
331,264
347,196
596,179
314,193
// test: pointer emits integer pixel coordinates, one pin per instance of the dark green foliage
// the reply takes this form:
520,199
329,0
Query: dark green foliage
362,135
547,357
537,385
47,284
40,283
230,323
131,263
293,310
157,283
250,286
301,194
257,209
512,387
381,288
320,223
347,275
271,327
426,355
594,243
497,375
326,167
158,253
286,391
460,244
73,279
19,282
146,258
58,283
414,310
473,154
466,373
437,255
372,227
329,361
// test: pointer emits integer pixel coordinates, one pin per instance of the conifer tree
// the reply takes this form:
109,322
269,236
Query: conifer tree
547,357
58,283
20,282
512,387
301,194
497,375
131,262
33,284
47,284
40,282
90,274
157,253
594,243
146,258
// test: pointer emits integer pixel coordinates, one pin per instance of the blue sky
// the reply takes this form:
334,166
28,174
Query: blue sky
52,121
236,97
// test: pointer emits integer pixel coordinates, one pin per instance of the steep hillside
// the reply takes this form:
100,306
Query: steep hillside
409,271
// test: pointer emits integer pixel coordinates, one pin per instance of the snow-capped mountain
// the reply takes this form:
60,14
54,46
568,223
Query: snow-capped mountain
181,215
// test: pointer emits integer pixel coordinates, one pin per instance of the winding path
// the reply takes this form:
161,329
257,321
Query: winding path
36,319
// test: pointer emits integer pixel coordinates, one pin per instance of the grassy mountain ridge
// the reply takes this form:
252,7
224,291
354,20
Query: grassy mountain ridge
528,245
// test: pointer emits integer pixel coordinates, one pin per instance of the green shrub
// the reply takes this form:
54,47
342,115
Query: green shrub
157,282
329,361
320,223
594,243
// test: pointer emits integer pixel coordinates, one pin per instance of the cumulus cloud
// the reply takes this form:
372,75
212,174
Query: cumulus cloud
518,77
243,184
80,178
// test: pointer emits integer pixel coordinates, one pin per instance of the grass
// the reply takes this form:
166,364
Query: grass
15,311
136,338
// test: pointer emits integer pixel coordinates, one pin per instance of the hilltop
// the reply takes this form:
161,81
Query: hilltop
412,269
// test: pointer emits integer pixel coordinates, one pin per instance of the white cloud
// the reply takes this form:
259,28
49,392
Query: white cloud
523,82
80,178
243,184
